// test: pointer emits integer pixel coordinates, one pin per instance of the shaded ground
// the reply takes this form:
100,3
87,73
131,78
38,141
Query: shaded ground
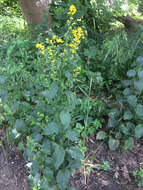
13,173
118,177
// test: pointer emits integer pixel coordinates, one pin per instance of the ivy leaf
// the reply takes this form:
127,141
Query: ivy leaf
51,128
132,100
75,152
101,135
131,73
72,135
113,144
65,118
139,131
139,110
129,144
63,179
58,156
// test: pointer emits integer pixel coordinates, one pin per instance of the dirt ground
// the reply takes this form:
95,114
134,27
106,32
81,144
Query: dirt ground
13,172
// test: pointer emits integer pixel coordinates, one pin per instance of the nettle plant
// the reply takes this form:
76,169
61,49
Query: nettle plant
38,105
125,119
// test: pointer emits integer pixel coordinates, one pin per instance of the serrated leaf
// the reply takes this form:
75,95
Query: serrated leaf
127,115
139,110
131,73
75,152
51,128
50,93
20,125
63,178
129,143
58,156
132,100
113,144
139,131
101,135
65,118
72,135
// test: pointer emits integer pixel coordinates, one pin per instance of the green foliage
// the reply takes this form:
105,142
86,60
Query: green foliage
138,175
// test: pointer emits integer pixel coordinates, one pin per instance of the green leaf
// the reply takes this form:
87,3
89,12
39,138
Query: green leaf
63,179
37,137
48,173
127,83
65,118
129,143
51,128
46,147
113,144
112,122
131,73
45,185
140,74
132,100
139,111
2,79
127,115
101,135
139,131
58,156
75,153
127,92
50,93
74,164
139,85
20,125
72,135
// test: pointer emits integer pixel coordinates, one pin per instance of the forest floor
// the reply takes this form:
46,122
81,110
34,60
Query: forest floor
118,176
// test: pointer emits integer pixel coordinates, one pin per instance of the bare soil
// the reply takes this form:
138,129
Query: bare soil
13,171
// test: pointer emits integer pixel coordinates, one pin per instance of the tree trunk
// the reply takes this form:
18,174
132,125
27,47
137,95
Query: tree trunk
34,10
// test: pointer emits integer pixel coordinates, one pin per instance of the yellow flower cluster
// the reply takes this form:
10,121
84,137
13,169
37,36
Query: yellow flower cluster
41,47
77,36
72,10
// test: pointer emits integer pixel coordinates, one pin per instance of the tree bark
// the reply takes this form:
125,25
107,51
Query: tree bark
34,10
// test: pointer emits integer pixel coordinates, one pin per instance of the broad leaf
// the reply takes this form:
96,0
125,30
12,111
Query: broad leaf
101,135
65,118
74,164
50,93
2,79
139,111
132,100
75,152
139,131
20,125
127,91
58,156
139,85
131,73
140,74
63,178
72,135
129,143
113,144
127,115
51,128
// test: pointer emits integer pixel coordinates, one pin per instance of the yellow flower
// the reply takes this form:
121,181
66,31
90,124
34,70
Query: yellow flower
43,52
65,50
72,10
59,40
72,50
47,40
54,37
